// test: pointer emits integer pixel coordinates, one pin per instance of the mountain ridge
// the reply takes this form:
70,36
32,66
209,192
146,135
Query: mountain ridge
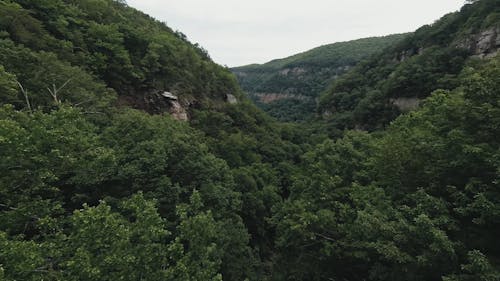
135,55
297,80
430,58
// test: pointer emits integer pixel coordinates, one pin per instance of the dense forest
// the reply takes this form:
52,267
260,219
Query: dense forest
433,57
288,88
126,153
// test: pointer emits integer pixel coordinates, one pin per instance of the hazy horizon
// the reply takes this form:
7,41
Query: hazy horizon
236,32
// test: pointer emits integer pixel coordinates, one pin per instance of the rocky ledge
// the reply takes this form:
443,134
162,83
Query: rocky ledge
485,44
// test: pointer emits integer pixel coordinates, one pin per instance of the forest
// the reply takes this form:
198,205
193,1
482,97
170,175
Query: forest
100,179
299,80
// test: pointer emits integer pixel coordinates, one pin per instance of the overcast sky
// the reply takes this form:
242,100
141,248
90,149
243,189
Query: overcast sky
239,32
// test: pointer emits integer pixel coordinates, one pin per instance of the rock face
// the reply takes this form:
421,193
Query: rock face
406,104
292,71
158,102
267,98
483,45
488,43
231,99
402,56
178,112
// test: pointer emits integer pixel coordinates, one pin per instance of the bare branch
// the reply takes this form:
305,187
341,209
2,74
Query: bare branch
25,93
64,85
325,237
54,95
93,112
54,91
80,103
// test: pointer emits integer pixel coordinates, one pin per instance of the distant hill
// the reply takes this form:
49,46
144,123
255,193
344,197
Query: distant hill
288,88
380,88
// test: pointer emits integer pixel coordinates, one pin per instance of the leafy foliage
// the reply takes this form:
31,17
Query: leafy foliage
92,191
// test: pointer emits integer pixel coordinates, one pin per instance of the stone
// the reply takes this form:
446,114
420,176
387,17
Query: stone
231,99
169,95
178,112
483,45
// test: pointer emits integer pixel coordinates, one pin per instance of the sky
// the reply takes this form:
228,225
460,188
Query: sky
240,32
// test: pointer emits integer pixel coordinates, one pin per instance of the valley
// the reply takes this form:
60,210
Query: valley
127,153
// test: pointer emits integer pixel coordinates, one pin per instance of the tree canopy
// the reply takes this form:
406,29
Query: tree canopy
97,184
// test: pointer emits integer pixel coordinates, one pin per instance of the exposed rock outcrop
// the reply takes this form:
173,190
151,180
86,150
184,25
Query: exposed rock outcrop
176,110
158,102
231,99
408,54
483,45
293,71
406,104
271,97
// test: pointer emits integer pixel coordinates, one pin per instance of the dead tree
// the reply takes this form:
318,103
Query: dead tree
25,93
54,91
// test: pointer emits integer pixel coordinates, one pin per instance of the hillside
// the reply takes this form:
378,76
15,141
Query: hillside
379,89
127,154
134,57
288,88
124,151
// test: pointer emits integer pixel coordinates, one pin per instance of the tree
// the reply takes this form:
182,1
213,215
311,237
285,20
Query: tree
196,256
103,244
477,268
8,88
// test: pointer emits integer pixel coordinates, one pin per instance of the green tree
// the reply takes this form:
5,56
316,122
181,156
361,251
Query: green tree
196,256
477,268
107,245
8,87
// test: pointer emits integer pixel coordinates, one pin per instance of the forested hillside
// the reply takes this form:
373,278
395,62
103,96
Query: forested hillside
288,88
98,49
419,201
379,89
92,189
127,154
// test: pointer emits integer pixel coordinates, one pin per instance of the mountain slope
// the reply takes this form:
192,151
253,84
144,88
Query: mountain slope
287,88
47,43
91,189
379,89
94,190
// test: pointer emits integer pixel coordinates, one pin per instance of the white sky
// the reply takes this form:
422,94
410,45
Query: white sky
239,32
